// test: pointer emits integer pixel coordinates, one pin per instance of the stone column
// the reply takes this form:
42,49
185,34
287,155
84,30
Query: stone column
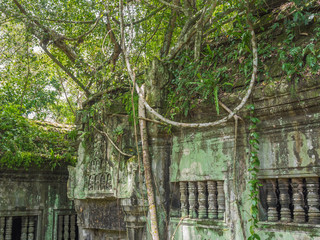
272,200
299,215
313,200
192,187
60,227
66,226
221,200
31,227
202,200
73,227
285,214
184,199
8,228
212,200
2,224
24,228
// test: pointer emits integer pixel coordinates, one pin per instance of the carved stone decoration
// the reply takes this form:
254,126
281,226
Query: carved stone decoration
2,224
134,218
285,214
273,215
66,226
299,215
8,228
24,228
220,200
212,200
184,199
192,187
202,200
73,227
31,227
91,183
60,227
313,200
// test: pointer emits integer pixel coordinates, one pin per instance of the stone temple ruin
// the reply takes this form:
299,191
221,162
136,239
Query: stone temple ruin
200,175
196,184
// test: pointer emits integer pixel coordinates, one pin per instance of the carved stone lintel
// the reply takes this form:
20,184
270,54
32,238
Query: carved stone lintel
212,200
299,215
31,227
272,201
8,228
192,187
220,200
202,200
313,200
285,214
184,199
2,224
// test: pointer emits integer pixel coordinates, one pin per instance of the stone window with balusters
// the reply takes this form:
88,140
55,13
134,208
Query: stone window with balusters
202,199
288,200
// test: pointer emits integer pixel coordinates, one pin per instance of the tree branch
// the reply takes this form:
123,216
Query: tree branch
77,81
113,144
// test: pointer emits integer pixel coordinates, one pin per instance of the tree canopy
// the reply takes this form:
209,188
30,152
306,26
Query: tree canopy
60,56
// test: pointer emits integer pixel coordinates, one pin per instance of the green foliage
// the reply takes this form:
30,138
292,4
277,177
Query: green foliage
253,169
25,143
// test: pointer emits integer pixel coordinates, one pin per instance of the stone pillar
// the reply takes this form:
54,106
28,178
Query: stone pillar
298,201
202,200
2,224
24,228
192,187
73,227
285,214
31,227
272,200
184,199
313,200
60,227
66,226
212,200
221,200
8,228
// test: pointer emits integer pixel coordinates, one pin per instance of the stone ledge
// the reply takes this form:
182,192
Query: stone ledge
197,222
292,227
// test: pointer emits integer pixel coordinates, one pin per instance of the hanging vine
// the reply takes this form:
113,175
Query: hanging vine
253,169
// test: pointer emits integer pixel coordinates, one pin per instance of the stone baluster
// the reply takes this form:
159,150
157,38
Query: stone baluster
8,228
285,214
31,227
313,200
212,200
192,187
202,200
66,227
24,228
184,199
60,227
2,225
73,227
298,201
220,200
273,215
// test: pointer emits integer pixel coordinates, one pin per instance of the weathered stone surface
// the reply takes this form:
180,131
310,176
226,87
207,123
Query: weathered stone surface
36,198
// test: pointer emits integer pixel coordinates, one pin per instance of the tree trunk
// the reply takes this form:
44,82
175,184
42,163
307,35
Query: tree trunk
148,170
